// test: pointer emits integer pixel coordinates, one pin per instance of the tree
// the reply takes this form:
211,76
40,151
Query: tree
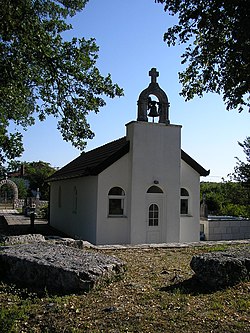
217,55
43,75
31,175
231,197
226,198
36,173
242,169
22,187
241,172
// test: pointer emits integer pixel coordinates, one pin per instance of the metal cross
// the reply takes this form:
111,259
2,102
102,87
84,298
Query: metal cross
154,74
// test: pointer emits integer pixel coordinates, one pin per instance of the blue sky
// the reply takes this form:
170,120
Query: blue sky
130,36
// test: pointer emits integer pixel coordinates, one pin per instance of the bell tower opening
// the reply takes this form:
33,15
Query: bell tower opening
153,101
153,107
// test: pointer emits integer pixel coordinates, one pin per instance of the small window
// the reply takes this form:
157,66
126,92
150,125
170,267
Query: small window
116,201
184,206
116,191
154,189
184,192
184,202
153,215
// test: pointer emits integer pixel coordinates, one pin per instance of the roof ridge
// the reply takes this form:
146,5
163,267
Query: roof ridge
99,147
195,165
93,161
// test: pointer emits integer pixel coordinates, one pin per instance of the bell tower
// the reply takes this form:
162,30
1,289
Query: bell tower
151,108
154,158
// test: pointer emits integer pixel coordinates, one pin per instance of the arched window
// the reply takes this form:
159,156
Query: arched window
74,199
153,215
116,201
154,189
184,201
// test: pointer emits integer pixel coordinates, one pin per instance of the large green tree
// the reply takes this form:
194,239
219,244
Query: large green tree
217,54
36,173
42,74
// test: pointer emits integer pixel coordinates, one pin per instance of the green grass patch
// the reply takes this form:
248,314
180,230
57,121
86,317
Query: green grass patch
156,294
217,248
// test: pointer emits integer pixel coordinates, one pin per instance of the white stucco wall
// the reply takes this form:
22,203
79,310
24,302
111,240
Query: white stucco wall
79,223
113,230
190,223
155,156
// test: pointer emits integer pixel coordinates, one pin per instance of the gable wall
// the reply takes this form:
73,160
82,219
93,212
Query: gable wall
190,224
78,222
113,230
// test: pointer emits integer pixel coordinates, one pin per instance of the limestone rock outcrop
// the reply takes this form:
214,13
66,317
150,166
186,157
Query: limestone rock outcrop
20,239
221,269
57,267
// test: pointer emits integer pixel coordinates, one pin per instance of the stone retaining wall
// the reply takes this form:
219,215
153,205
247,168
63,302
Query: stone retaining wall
226,230
20,203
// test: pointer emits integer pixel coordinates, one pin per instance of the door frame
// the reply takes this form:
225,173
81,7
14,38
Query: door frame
154,233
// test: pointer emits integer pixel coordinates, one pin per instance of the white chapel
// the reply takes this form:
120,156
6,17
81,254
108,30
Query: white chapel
141,188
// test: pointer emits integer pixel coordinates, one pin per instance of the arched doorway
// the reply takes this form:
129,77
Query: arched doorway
155,213
13,186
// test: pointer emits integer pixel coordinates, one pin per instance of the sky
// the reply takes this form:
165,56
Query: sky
130,37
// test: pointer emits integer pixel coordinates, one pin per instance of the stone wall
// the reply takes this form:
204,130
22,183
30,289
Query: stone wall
20,203
226,229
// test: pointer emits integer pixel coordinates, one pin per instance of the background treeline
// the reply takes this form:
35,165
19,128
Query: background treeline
231,197
227,198
28,176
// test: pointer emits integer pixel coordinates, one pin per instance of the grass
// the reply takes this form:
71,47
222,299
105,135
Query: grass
216,248
157,294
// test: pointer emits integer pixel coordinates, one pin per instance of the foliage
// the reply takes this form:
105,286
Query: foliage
231,197
6,191
10,170
36,173
226,198
242,169
13,166
217,54
43,75
34,177
22,187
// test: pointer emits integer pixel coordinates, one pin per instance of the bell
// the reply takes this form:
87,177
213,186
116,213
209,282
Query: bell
153,109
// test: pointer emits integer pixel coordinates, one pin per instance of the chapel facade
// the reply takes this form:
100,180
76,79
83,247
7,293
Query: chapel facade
141,188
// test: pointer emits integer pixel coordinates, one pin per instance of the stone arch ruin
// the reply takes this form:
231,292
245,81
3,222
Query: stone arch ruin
14,188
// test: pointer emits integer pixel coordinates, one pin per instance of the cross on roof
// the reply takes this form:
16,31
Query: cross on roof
154,74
